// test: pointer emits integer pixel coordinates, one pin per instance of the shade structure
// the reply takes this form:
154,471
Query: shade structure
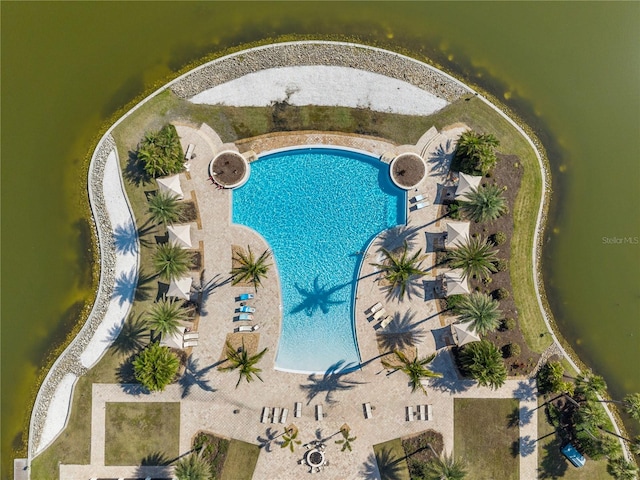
180,288
466,183
180,235
457,234
455,283
170,185
463,333
173,340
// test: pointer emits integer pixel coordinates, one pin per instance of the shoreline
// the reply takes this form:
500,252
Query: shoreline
107,249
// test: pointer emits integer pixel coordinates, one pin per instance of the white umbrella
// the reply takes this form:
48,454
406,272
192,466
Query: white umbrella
456,284
180,235
180,288
175,339
463,333
466,183
457,234
170,185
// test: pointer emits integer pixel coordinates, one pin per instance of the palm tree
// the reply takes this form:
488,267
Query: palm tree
165,208
633,405
166,315
241,360
192,467
476,152
398,270
484,204
621,469
161,152
474,257
249,269
481,310
445,467
590,415
483,362
155,367
415,369
290,438
346,440
171,261
590,386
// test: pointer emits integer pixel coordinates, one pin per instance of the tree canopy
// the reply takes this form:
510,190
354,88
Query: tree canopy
483,362
399,269
155,367
161,152
476,152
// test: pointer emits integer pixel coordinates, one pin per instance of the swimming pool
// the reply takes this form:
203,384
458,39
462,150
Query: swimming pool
318,208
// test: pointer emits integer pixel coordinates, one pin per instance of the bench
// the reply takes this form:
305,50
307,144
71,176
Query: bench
190,149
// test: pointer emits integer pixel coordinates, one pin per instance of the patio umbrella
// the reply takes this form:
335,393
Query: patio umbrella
180,235
180,288
173,340
463,333
466,183
456,283
457,234
170,185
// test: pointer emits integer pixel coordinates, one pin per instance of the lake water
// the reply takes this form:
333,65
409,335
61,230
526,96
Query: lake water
571,69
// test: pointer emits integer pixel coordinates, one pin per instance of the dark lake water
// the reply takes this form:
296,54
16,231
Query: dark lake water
571,69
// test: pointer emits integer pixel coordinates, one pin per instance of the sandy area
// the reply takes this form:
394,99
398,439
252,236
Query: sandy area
323,85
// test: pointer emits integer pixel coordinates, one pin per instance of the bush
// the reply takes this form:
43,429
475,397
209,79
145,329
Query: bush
454,211
501,265
155,367
501,294
508,324
499,238
511,350
161,152
453,301
550,378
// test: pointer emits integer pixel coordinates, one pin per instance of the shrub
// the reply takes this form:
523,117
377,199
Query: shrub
161,152
453,301
512,350
501,265
501,293
498,238
155,367
508,324
454,211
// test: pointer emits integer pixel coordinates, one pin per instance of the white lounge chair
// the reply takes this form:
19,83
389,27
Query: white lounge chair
385,321
245,316
379,313
419,197
276,415
367,411
319,414
266,411
190,336
190,150
422,412
247,328
375,308
421,205
410,415
429,412
190,343
283,416
247,309
298,411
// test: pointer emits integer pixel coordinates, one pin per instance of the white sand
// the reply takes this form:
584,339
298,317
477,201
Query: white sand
58,411
323,85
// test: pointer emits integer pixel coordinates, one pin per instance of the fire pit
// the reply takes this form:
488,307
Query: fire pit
315,458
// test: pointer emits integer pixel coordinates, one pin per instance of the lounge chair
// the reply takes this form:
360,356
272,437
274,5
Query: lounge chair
379,314
421,205
419,197
245,296
385,321
190,150
319,414
367,411
190,336
276,415
374,308
266,411
247,328
422,412
298,411
429,412
410,416
190,343
247,309
283,416
245,316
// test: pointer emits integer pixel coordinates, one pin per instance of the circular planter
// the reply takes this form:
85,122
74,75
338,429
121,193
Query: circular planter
229,169
407,170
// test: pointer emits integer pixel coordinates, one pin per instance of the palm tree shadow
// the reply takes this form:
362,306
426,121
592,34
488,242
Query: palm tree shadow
129,338
395,237
332,381
134,171
449,382
204,288
266,442
155,459
525,391
125,237
401,332
194,376
383,465
440,160
317,298
413,288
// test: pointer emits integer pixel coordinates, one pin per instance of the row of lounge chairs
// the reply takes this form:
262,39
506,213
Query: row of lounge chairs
376,312
420,201
246,314
425,412
278,415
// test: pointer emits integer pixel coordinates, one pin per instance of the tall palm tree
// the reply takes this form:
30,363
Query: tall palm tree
399,270
165,208
475,258
590,386
483,362
155,367
166,315
171,261
415,369
290,439
484,204
480,309
621,469
243,362
633,405
346,440
445,467
192,467
476,151
590,415
249,269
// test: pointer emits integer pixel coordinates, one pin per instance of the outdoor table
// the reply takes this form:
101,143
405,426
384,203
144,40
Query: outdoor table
315,458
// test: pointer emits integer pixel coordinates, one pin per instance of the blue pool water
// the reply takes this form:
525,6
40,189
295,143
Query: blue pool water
317,208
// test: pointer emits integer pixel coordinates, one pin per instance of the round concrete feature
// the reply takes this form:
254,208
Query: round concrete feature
229,169
407,170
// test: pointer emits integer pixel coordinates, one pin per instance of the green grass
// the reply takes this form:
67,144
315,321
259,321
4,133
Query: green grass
138,432
241,461
552,464
391,461
484,438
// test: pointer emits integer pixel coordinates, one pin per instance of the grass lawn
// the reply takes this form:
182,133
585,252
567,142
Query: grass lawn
138,432
483,437
552,464
390,459
241,461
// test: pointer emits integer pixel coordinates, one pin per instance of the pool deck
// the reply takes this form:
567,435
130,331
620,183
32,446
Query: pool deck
214,404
